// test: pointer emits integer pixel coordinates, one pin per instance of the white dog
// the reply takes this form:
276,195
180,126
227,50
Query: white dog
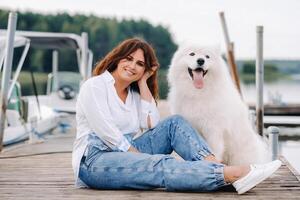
202,91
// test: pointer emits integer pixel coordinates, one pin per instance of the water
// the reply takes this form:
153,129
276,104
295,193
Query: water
281,92
290,149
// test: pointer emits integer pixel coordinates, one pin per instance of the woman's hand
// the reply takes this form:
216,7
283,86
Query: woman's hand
148,74
144,89
132,149
142,83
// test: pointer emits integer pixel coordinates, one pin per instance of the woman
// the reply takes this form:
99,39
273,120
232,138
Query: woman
121,144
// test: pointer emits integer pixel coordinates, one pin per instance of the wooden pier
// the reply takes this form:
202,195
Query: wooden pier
280,110
43,171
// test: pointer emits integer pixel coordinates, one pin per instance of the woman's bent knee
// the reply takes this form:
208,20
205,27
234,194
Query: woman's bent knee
178,119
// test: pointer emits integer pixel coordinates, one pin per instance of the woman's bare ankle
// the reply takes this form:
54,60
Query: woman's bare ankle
245,169
212,158
234,173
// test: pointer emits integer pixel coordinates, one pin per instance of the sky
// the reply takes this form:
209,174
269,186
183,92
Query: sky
197,20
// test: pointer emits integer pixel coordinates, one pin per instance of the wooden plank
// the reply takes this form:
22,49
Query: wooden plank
285,110
49,176
291,168
59,188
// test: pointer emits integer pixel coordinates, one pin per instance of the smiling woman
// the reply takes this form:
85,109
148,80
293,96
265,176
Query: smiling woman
129,69
130,61
121,144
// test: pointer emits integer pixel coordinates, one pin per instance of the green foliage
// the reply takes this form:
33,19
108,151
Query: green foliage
163,83
104,34
248,67
26,82
271,72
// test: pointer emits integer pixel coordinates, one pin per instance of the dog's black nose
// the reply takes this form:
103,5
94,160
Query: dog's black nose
200,61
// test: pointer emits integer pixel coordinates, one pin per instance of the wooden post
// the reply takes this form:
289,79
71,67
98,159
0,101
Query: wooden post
234,72
230,54
259,80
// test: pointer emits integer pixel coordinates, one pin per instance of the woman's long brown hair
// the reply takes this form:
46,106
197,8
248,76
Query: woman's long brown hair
124,49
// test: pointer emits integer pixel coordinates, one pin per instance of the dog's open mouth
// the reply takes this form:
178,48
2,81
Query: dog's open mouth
197,76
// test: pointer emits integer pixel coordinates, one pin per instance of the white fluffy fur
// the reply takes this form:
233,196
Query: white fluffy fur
217,110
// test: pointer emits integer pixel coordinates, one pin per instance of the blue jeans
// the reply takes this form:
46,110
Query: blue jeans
105,168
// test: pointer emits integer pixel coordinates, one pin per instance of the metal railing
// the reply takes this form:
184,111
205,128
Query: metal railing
11,29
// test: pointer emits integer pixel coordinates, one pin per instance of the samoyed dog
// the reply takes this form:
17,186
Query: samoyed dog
202,91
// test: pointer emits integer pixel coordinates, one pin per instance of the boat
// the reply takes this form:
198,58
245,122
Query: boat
37,114
23,116
62,86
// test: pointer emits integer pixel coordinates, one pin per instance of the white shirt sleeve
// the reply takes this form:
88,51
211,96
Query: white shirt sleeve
148,109
93,101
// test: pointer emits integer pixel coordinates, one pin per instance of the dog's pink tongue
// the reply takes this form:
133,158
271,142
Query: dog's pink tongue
198,79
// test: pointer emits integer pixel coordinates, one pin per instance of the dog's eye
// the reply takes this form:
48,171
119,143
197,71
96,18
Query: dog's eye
192,54
207,56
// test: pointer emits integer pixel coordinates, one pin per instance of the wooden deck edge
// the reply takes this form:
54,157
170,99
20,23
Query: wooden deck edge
291,168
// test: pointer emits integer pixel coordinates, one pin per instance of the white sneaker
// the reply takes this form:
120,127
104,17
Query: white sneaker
257,174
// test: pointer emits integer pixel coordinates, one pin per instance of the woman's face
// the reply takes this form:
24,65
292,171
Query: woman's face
131,68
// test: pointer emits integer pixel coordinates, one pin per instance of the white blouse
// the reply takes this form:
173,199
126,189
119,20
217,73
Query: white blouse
99,110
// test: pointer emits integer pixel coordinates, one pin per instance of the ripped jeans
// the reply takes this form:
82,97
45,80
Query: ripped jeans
105,168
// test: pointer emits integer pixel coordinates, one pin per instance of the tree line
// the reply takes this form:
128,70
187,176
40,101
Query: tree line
104,34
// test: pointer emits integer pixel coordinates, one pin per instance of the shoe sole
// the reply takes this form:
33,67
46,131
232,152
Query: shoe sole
250,186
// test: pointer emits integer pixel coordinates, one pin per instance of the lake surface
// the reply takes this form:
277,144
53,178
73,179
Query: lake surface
290,149
280,92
